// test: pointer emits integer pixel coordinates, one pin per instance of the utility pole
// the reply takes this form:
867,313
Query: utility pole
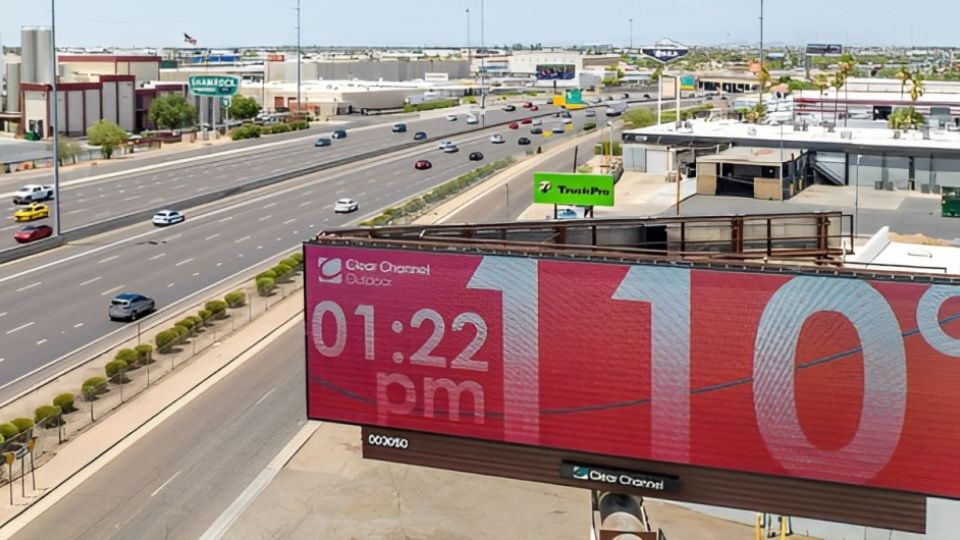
483,63
57,222
299,56
760,73
469,53
631,34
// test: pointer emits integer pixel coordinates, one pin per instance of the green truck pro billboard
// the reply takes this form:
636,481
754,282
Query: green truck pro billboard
573,189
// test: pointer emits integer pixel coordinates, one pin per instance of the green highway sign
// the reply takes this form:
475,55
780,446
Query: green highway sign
573,189
214,85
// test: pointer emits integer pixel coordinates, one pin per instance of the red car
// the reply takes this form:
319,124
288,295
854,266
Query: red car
527,104
534,108
514,125
526,121
422,165
32,232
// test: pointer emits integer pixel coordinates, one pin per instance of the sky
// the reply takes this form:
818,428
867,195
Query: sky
230,23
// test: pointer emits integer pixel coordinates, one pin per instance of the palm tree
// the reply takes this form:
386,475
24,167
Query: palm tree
837,83
821,82
903,75
916,87
763,77
847,66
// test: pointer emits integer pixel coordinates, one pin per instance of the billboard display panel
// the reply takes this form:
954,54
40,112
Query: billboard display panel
824,49
556,72
574,189
835,379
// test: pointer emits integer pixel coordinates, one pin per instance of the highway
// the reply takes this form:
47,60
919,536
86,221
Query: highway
56,302
92,199
178,479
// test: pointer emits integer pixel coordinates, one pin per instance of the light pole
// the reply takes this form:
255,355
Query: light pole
299,56
760,72
610,158
469,53
856,198
483,63
631,34
56,120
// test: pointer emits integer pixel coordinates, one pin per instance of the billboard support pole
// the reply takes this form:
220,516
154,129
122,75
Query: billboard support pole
677,89
660,98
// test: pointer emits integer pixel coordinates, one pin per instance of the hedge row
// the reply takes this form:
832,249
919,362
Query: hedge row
438,193
266,281
253,131
431,105
589,126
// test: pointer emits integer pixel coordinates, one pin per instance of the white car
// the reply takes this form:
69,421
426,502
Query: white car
567,121
452,117
473,119
451,148
537,122
443,145
32,193
497,138
168,217
345,206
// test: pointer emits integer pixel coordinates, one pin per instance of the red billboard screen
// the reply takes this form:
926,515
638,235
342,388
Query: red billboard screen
804,376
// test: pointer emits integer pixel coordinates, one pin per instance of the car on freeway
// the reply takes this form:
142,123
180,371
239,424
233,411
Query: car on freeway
476,156
626,96
557,130
536,131
451,148
537,122
509,108
452,117
345,206
514,125
32,193
420,135
565,114
399,128
339,134
534,108
473,119
646,96
32,232
497,138
567,120
591,114
130,306
32,212
527,104
526,121
422,165
567,213
595,100
323,141
168,217
523,141
443,145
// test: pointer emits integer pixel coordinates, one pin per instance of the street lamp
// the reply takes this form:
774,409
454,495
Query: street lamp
299,56
631,34
57,226
856,198
610,158
483,63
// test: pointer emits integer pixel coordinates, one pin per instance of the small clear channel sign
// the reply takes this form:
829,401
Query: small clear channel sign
573,189
665,54
213,85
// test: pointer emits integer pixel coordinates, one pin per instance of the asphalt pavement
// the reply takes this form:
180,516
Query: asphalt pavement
55,303
177,479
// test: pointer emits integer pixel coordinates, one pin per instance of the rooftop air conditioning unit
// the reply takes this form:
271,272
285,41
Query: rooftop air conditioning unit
752,131
848,135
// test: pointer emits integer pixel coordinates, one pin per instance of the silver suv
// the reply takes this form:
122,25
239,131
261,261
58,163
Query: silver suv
129,306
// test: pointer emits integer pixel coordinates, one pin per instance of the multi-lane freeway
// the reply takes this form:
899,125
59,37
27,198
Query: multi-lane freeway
55,303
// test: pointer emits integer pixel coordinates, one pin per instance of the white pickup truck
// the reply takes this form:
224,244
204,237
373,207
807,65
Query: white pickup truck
32,193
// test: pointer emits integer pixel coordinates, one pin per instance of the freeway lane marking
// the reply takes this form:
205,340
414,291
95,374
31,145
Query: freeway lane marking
270,205
108,259
21,327
155,257
78,325
108,291
304,203
264,218
89,281
212,236
32,285
241,239
265,396
2,314
133,198
163,485
228,218
289,221
42,341
185,261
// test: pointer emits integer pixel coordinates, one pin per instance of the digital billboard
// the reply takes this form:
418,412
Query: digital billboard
576,189
556,72
802,376
824,49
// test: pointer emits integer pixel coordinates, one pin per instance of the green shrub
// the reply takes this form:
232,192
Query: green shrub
93,387
144,353
8,431
46,413
530,93
197,321
294,264
22,424
187,322
205,315
250,131
115,368
129,356
166,339
431,105
218,308
235,299
265,286
282,271
183,332
298,256
272,274
299,125
603,149
589,125
65,402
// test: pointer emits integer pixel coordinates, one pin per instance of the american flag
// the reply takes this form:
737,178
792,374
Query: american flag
190,40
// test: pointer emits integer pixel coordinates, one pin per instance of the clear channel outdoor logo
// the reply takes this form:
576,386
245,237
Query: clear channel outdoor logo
336,271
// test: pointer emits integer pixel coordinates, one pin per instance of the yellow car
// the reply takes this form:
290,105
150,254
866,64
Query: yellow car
32,212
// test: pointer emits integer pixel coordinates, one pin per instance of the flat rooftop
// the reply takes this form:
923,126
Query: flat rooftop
725,130
748,155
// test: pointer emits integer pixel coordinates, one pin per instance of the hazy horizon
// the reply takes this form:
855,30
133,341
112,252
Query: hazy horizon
442,23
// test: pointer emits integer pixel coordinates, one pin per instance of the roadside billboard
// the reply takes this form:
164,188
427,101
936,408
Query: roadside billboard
573,189
835,379
665,54
556,72
213,85
823,49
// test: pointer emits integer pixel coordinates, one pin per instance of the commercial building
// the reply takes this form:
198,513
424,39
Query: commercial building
327,98
387,69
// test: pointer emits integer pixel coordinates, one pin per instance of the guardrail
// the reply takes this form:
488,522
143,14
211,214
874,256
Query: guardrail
92,229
